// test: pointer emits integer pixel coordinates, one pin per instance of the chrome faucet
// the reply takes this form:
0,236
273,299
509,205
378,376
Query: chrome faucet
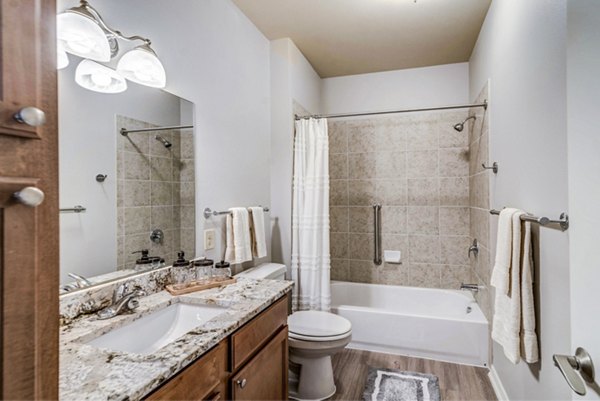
124,300
80,282
471,287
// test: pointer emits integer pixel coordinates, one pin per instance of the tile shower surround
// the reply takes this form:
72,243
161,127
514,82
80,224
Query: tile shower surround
417,167
155,189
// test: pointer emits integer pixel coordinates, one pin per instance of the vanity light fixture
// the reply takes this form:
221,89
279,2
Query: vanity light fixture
82,31
99,78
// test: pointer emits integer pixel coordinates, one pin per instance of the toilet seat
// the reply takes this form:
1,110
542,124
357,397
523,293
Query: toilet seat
318,326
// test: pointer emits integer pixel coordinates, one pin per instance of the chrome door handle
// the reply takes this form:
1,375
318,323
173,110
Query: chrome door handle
241,383
31,116
580,363
29,196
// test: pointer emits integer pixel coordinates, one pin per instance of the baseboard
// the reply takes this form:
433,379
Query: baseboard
497,385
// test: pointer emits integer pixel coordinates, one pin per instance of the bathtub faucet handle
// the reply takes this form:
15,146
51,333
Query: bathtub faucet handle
473,248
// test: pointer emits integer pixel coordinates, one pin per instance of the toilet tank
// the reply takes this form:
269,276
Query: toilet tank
271,271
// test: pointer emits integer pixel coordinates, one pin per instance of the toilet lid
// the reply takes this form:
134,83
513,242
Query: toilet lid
318,324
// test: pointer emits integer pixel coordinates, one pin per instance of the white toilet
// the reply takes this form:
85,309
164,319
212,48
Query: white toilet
313,338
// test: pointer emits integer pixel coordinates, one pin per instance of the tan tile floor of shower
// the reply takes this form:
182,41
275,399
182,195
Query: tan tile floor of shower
457,382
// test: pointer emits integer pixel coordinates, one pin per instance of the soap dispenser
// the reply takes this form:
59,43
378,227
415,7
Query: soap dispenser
181,272
180,262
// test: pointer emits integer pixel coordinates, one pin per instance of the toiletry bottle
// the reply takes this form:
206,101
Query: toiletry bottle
180,272
203,268
222,270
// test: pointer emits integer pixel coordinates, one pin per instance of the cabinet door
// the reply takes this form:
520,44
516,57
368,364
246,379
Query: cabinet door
202,380
29,223
265,377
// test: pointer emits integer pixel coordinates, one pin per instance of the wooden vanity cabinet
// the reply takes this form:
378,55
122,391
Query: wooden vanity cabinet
205,379
251,364
265,376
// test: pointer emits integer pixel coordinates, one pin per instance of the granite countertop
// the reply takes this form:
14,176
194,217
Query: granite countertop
90,373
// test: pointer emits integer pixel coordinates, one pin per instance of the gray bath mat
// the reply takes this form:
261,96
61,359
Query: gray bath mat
396,385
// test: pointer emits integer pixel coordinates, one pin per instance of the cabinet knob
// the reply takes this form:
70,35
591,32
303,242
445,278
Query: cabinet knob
30,196
31,116
241,383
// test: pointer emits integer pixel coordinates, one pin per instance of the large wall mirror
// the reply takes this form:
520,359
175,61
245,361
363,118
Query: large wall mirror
126,180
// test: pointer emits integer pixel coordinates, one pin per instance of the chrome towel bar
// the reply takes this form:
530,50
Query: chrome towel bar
74,209
208,212
563,220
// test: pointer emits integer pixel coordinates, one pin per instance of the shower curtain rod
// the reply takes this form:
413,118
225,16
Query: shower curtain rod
125,131
374,113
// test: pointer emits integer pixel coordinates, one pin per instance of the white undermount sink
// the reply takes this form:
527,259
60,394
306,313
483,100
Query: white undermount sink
150,333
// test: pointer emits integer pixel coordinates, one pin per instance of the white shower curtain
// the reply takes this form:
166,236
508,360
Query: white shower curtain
310,217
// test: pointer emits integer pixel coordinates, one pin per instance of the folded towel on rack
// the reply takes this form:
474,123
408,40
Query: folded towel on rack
500,274
257,232
238,248
514,314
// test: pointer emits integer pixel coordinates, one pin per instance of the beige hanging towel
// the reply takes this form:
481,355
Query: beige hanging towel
239,247
257,232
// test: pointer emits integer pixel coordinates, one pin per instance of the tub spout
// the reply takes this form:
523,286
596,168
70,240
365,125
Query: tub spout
471,287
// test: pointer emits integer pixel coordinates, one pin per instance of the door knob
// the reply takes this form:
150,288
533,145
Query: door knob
569,366
30,116
241,383
29,196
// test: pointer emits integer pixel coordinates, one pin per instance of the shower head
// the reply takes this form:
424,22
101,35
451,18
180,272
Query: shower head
460,126
162,140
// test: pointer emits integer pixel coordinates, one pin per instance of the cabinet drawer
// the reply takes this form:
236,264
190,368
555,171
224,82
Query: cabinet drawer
265,377
253,335
202,380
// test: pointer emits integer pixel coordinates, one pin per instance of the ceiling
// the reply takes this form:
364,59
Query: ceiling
346,37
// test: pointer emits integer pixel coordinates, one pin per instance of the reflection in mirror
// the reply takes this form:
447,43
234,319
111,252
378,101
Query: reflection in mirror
127,200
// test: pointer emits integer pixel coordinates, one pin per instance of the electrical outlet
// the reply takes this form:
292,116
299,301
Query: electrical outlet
209,239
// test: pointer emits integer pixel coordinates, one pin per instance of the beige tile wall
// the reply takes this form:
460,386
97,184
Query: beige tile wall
479,180
155,189
417,167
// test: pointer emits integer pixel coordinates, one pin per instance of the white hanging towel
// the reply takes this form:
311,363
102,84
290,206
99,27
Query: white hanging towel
239,247
500,274
257,232
514,314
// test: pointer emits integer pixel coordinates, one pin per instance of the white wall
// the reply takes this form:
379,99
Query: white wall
401,89
583,91
88,146
522,50
216,58
292,80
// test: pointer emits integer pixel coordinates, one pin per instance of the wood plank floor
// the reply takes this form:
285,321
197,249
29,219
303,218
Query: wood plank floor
457,382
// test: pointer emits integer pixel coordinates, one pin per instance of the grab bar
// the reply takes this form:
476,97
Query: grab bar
377,233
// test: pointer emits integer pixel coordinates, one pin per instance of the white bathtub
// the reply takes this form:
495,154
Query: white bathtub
444,325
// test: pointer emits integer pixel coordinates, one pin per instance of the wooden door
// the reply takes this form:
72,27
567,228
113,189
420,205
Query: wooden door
28,234
265,377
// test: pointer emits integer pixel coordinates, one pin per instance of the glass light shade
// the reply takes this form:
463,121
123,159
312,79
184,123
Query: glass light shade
140,65
99,78
62,60
82,36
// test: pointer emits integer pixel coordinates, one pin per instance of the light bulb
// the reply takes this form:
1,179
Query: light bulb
99,78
